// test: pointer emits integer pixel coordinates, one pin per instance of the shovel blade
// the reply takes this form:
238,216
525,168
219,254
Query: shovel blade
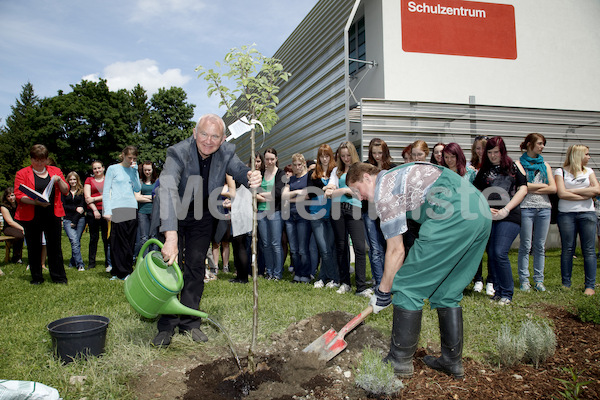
327,346
321,342
335,348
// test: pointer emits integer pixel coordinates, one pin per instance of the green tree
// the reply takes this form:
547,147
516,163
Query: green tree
89,123
140,108
254,96
93,123
18,135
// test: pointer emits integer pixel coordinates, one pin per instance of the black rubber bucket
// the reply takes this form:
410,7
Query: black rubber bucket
79,336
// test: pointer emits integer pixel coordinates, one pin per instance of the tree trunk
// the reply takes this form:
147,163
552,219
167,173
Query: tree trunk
251,361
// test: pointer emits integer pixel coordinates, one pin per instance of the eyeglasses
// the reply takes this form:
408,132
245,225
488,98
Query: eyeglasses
481,137
214,138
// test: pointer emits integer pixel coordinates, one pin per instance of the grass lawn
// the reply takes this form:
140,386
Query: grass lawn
25,310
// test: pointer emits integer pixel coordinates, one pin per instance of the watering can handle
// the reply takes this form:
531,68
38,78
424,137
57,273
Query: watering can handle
160,245
148,243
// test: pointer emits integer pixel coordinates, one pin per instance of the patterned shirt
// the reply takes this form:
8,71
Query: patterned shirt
401,190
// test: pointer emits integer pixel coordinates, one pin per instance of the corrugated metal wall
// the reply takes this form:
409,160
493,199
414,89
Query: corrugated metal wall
311,111
400,123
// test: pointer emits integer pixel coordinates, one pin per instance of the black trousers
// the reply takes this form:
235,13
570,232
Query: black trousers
122,243
96,226
194,238
45,221
240,257
346,225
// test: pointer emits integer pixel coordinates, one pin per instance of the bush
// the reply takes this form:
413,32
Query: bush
540,341
587,309
375,376
511,349
535,342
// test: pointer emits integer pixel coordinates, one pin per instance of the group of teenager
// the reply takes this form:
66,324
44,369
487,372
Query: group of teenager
110,205
321,217
425,224
518,193
312,208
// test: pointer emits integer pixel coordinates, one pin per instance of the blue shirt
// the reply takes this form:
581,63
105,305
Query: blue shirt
346,198
297,184
119,186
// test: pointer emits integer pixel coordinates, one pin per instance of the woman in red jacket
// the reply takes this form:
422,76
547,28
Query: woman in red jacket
39,217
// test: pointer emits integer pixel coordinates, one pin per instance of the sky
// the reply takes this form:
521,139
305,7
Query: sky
156,43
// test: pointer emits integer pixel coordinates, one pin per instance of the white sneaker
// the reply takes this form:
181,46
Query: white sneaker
344,288
525,286
504,301
108,269
226,268
209,276
319,284
365,293
489,289
81,269
332,285
478,286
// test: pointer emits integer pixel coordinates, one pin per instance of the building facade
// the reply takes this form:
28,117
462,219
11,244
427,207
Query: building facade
441,71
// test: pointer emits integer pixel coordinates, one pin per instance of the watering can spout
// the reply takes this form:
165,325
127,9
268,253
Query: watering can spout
173,306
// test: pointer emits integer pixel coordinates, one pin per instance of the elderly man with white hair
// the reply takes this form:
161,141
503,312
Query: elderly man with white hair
194,168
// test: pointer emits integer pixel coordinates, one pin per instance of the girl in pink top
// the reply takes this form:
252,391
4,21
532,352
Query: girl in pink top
92,191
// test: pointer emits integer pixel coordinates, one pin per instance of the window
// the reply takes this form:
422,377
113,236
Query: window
357,45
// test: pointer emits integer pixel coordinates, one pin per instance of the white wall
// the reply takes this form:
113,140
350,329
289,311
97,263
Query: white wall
369,81
557,65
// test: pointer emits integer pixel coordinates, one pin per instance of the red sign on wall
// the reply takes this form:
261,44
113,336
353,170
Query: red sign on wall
462,28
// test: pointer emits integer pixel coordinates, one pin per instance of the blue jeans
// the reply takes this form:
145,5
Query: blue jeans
323,234
502,236
535,223
143,233
376,247
269,232
74,235
313,251
569,225
298,232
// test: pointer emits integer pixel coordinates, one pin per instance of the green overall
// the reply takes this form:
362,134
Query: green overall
455,227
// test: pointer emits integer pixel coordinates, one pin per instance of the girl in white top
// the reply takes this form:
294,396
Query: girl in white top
576,187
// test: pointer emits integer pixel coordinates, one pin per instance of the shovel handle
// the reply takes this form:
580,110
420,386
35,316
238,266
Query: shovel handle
354,322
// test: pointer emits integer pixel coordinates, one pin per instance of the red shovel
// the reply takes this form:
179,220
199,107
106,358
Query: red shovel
331,343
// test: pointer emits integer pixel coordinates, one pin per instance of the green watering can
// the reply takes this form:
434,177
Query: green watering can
153,286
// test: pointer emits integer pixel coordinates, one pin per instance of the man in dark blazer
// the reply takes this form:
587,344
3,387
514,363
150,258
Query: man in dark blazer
195,168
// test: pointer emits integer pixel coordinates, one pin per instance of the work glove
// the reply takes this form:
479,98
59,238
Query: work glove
500,215
380,300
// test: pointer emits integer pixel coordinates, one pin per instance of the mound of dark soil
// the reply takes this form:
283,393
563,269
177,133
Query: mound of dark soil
285,372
